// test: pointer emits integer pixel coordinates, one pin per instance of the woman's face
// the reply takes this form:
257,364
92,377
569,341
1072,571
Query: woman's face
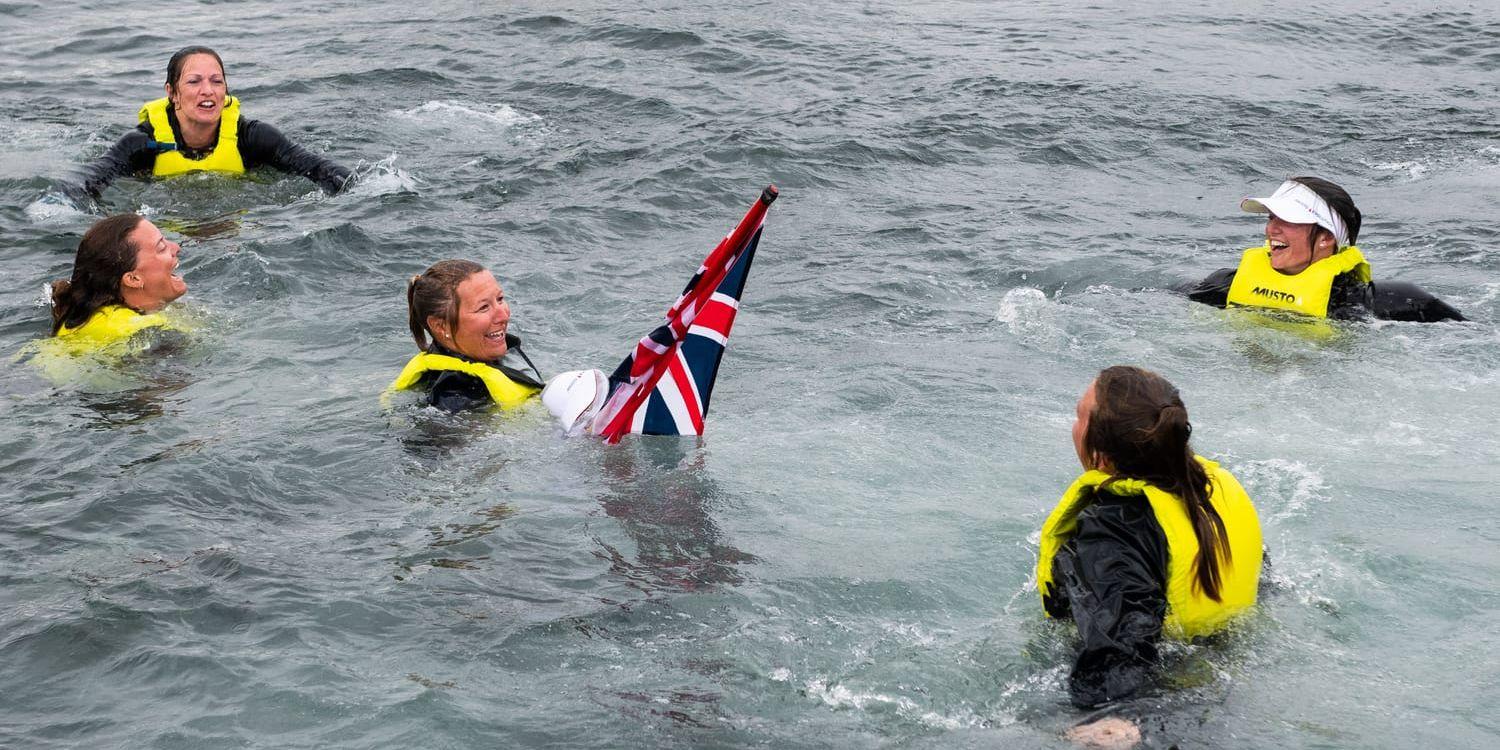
198,96
1085,407
1292,245
483,318
152,284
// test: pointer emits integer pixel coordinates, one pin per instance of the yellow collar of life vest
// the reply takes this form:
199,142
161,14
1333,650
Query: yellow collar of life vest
225,156
1190,613
504,391
1257,284
108,326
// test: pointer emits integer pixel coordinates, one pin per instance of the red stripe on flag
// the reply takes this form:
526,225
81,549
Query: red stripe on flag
717,316
689,393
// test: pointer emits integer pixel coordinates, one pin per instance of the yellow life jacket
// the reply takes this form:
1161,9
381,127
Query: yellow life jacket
1257,284
225,156
1190,613
108,326
503,390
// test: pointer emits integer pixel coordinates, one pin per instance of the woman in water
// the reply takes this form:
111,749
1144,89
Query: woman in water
1151,541
197,127
122,278
463,309
1310,264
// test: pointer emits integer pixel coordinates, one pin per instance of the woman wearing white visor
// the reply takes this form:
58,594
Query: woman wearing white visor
1310,264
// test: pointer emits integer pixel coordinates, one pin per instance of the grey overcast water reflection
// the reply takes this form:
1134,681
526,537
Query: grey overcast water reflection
232,545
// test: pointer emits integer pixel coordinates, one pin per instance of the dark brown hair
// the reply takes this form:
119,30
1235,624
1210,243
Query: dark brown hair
174,65
104,255
435,292
1141,426
1337,199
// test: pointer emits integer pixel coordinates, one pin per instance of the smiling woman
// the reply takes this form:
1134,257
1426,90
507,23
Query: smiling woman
461,306
1310,264
197,127
123,276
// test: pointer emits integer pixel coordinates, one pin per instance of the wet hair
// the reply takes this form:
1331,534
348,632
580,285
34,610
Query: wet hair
435,292
174,65
104,255
1141,426
1338,199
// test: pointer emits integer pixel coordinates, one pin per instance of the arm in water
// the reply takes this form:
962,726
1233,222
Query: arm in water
261,143
132,154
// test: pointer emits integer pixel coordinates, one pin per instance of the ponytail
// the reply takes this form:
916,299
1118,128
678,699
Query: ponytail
435,292
417,325
59,299
1141,425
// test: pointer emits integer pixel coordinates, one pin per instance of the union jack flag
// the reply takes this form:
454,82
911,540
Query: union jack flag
663,386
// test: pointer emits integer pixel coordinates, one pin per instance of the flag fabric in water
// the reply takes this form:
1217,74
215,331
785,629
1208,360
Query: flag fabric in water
663,386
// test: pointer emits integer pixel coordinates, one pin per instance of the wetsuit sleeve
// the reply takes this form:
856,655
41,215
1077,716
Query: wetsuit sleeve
130,155
1349,299
1400,300
262,144
1213,290
1114,570
454,392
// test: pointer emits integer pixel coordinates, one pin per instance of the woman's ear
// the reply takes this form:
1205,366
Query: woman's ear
1100,462
132,279
439,328
1326,241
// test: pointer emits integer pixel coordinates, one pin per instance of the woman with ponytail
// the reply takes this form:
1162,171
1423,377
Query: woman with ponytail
1151,541
463,309
122,278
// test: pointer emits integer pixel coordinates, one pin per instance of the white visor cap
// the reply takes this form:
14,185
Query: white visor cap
1298,204
574,396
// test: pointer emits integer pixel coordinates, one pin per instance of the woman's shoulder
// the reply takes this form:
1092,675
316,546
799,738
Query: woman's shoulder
1109,508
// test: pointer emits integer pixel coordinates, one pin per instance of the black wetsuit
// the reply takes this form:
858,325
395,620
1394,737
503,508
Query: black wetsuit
454,391
1112,581
259,144
1349,299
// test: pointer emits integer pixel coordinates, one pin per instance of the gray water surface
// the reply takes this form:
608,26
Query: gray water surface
234,545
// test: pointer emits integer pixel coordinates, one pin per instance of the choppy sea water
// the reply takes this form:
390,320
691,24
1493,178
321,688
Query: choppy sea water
233,545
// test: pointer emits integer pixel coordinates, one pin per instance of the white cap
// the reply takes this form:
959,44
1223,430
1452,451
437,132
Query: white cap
575,395
1298,204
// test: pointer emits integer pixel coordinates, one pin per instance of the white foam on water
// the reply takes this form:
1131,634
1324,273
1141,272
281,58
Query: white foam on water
1035,682
1491,291
1021,307
1415,170
911,631
503,115
840,696
471,120
53,208
1282,488
383,178
1029,315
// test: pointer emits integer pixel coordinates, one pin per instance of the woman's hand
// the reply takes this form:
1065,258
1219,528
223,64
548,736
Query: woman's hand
1109,733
